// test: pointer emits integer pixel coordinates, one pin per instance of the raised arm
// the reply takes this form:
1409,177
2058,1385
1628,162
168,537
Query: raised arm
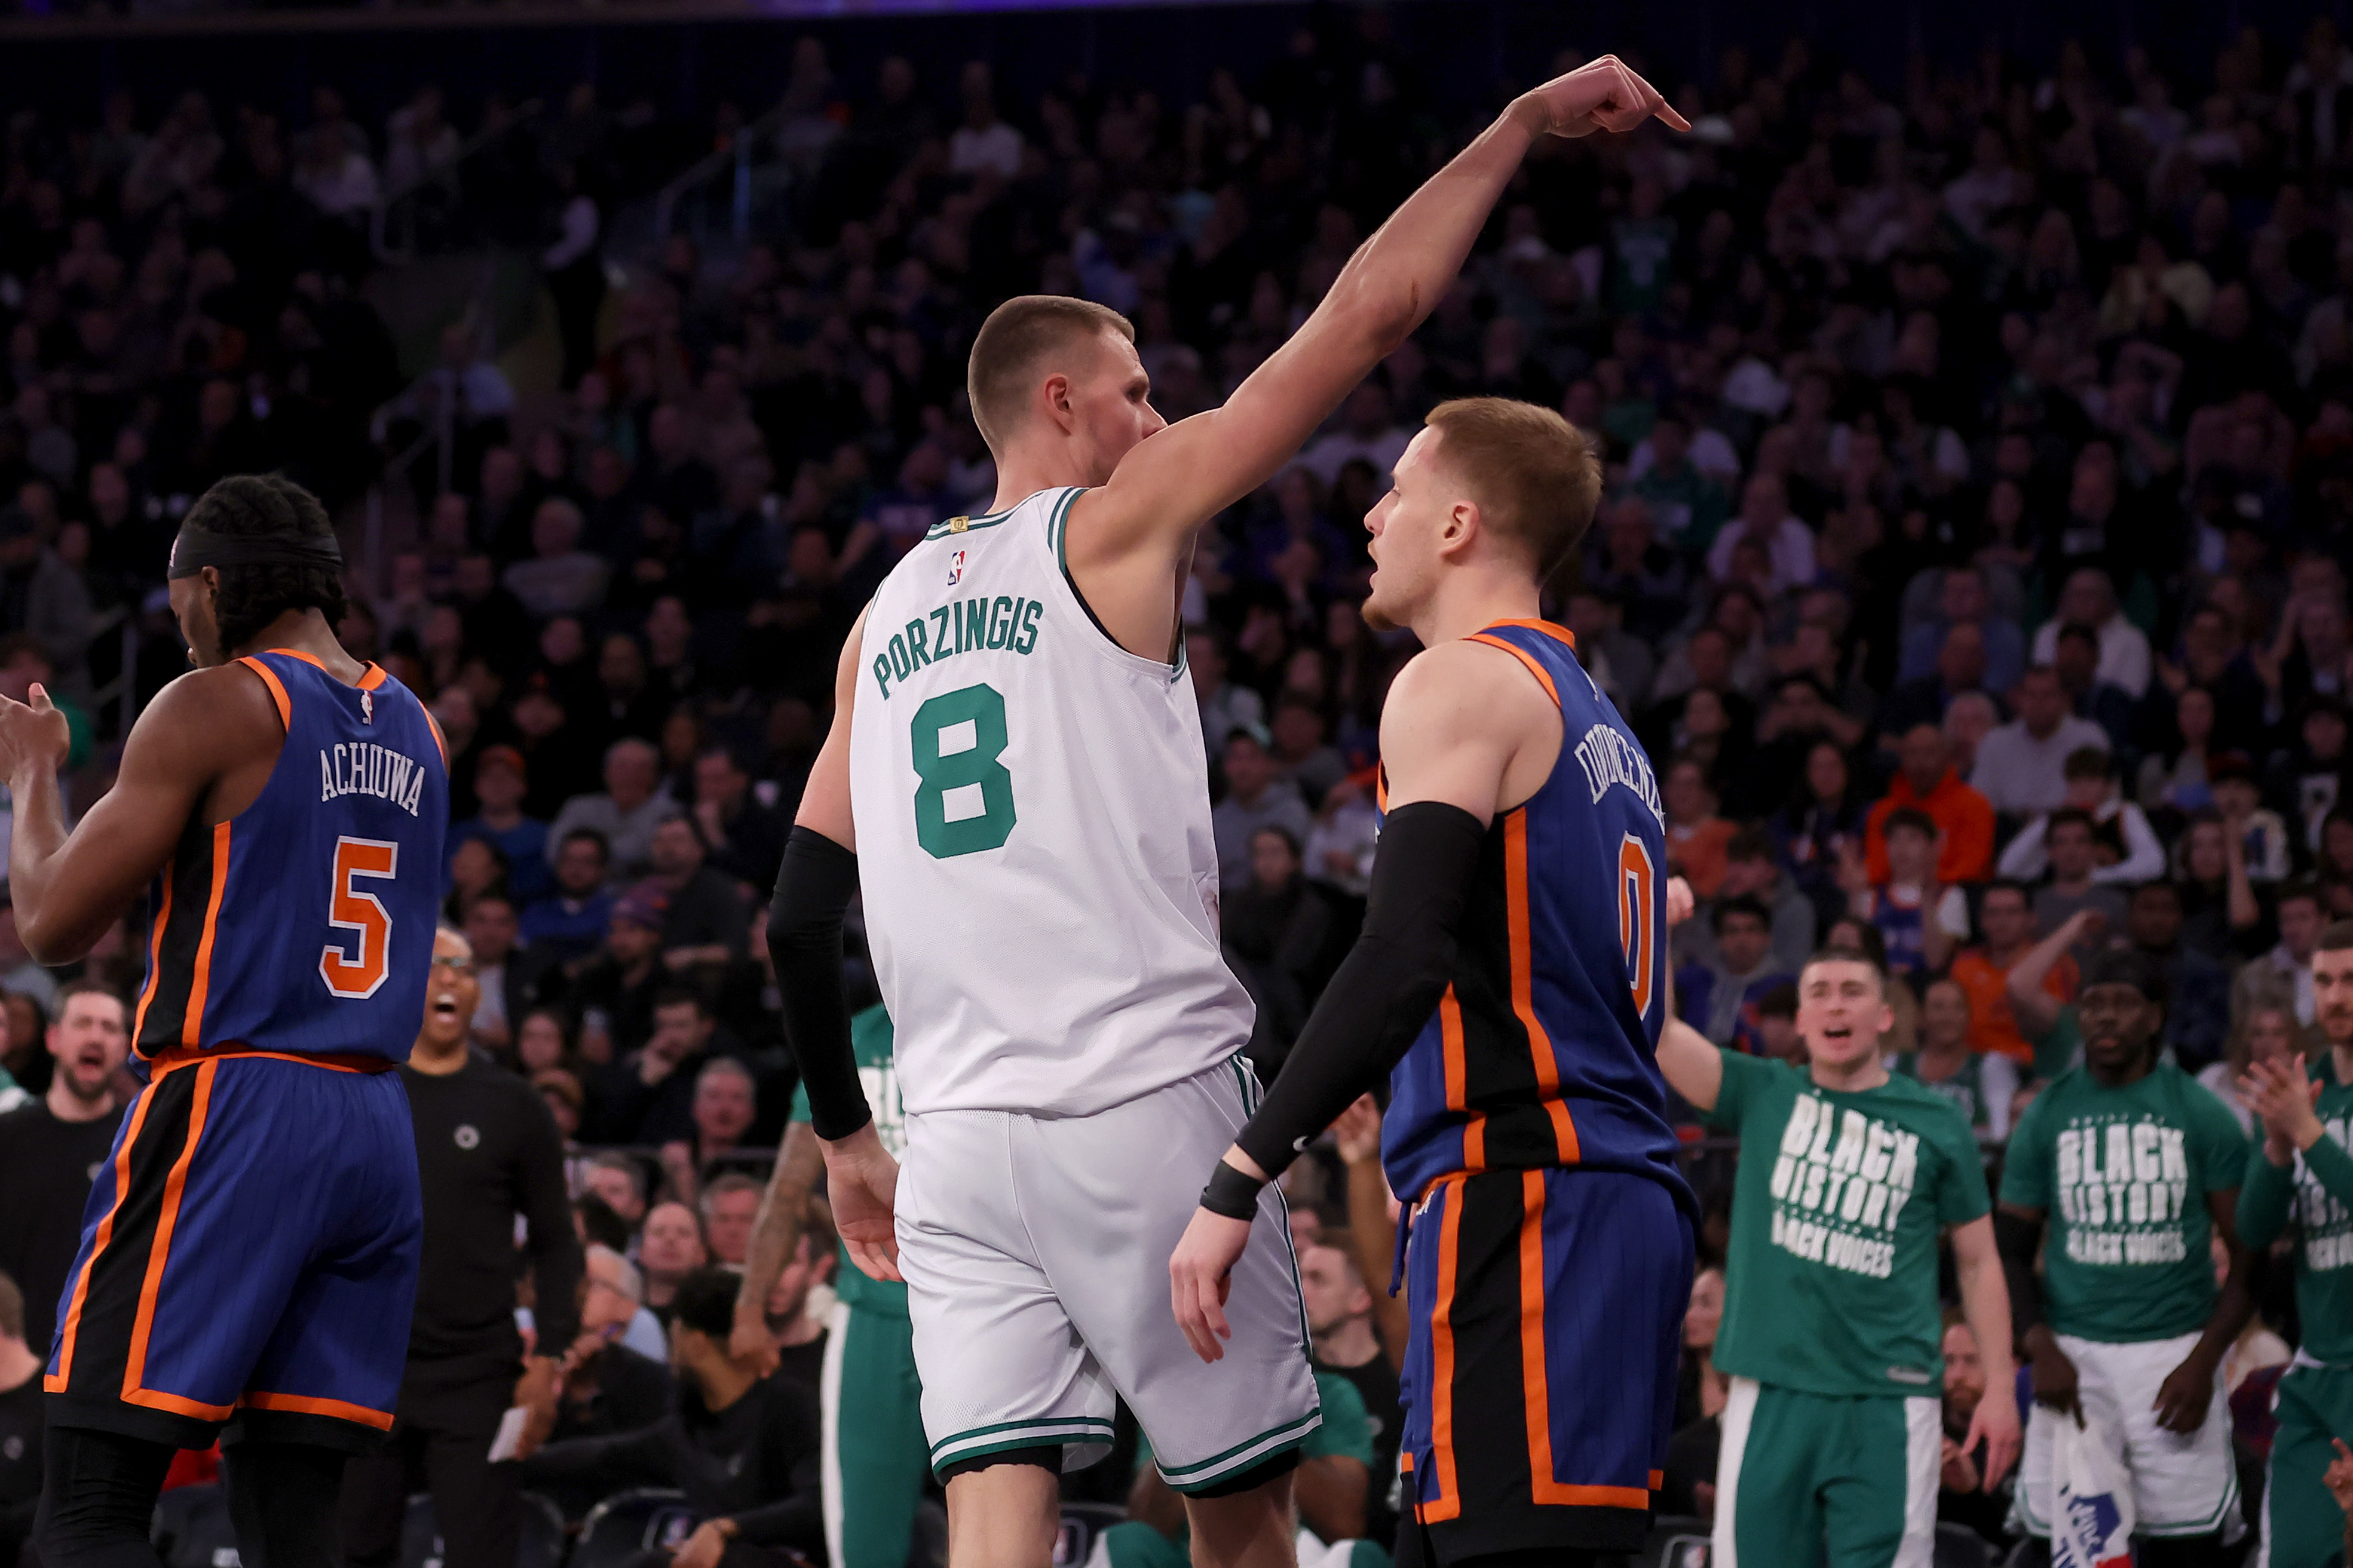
2036,1012
69,890
1163,490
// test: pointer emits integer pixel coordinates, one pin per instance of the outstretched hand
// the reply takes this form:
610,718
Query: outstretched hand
1600,95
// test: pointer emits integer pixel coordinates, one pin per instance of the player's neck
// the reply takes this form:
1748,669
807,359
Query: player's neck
2340,1057
306,631
1023,472
1471,598
435,1060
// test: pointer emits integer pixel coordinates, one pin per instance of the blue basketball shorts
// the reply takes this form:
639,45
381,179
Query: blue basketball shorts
1547,1308
248,1257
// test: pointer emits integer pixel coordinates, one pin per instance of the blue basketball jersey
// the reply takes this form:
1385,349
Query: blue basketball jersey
304,923
1544,1051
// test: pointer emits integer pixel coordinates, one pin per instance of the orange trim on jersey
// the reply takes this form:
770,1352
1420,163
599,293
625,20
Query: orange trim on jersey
305,1405
1457,1081
438,739
1558,633
1658,1480
277,690
134,1365
309,658
1543,676
154,958
177,1057
1448,1504
1381,786
1540,1051
1534,1376
370,678
200,978
55,1382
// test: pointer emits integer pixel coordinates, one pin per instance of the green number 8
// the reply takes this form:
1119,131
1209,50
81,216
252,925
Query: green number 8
965,769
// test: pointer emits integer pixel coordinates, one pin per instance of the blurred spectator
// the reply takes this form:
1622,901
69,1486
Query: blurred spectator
41,594
649,1093
669,1249
729,1205
499,789
1278,935
2282,977
51,1147
20,1424
1720,998
2006,917
616,990
560,578
1962,598
707,915
569,924
725,1102
2089,600
1257,796
746,836
1751,871
492,931
626,812
1697,837
2125,847
2267,1034
1980,1085
2020,764
2089,694
1339,1321
1918,917
1927,783
2071,844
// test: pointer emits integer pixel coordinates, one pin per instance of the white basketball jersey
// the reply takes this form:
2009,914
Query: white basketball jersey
1032,809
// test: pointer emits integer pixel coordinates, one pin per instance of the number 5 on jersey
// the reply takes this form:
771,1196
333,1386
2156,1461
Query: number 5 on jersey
964,804
355,965
1638,919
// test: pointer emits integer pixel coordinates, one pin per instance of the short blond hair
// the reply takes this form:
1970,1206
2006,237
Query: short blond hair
1534,474
1008,350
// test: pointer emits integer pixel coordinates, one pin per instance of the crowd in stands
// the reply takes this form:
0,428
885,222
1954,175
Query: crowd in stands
1972,562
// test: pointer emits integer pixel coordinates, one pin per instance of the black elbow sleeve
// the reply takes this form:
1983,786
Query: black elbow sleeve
2017,1240
814,887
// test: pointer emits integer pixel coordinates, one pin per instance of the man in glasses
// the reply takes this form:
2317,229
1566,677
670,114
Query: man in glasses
487,1150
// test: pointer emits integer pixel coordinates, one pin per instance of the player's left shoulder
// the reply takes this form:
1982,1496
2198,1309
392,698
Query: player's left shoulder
1470,685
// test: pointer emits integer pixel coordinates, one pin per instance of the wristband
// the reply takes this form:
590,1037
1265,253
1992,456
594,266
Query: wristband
1232,1192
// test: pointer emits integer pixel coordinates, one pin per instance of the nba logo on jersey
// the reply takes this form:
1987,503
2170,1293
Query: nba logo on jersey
956,569
367,708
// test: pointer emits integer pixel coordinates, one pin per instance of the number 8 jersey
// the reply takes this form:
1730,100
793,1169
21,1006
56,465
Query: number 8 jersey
304,923
1032,810
1544,1051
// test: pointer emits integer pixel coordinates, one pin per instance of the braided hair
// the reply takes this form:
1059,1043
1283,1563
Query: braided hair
259,506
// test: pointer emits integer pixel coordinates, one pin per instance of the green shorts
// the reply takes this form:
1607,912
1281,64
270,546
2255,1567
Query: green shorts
2301,1525
1805,1480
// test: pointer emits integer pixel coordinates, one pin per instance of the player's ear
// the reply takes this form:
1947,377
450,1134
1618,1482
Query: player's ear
1462,525
1057,395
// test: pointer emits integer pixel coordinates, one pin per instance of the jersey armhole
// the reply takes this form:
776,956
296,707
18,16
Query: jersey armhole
276,692
1544,678
1058,534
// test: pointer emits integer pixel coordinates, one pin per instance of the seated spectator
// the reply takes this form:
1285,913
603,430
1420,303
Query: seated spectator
1751,871
618,1183
2220,912
1720,998
542,1042
2176,779
21,1405
2125,847
1799,716
2265,845
726,1101
1961,1496
1811,832
568,924
1626,563
669,1247
650,1093
1963,597
1225,707
1917,914
560,578
2006,916
1257,796
1301,753
798,1332
1766,519
617,1376
1277,931
1343,1342
1777,1027
2282,977
708,919
729,1206
1957,669
615,991
2049,1025
1929,785
2105,703
745,1449
1340,847
1686,503
1696,836
1620,663
1979,1084
1700,1389
500,972
2268,1032
630,807
1969,718
2089,600
745,835
2071,848
499,789
2020,765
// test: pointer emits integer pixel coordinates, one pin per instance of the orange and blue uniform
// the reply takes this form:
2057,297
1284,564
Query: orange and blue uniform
250,1248
1550,1258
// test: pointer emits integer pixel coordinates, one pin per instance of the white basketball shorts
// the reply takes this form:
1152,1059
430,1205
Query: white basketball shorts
2181,1485
1036,1252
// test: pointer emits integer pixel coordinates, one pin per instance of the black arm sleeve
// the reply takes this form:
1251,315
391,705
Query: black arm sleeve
2016,1240
1386,989
814,887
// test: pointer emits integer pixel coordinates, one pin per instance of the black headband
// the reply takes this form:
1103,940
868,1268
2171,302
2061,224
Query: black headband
197,548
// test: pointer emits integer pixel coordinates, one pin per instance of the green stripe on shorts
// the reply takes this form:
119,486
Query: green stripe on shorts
1241,1456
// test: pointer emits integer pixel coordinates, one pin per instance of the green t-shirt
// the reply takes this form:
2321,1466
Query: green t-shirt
2122,1175
1964,1092
1831,1287
2314,1194
871,1037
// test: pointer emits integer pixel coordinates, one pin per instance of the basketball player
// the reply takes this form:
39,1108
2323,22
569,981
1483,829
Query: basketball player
249,1255
1015,749
1512,970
